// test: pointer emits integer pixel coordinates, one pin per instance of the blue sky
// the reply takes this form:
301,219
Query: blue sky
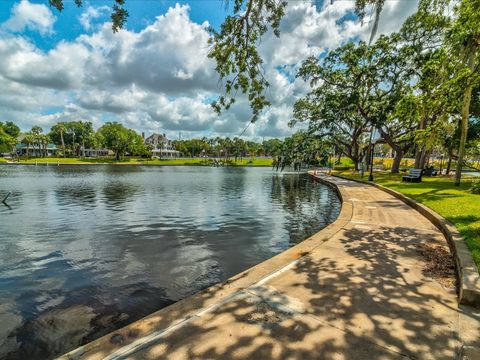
155,75
141,13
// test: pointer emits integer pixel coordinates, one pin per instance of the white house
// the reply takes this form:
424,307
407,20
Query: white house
162,147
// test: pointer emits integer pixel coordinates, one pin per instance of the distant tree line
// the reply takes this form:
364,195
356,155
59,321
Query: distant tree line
299,150
416,90
73,138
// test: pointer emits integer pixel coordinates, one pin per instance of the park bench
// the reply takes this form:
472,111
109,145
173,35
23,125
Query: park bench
430,171
414,175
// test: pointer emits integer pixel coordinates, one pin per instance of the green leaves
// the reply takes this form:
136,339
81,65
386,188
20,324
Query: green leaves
116,137
301,149
8,136
234,48
119,14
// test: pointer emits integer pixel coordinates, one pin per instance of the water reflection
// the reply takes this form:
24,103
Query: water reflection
76,194
116,193
86,250
296,194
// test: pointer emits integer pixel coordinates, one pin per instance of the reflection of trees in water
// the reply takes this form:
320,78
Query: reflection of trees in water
136,263
232,182
121,185
116,193
310,206
75,194
122,170
81,316
290,190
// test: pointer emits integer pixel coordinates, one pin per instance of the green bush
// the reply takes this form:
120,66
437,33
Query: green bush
342,167
475,186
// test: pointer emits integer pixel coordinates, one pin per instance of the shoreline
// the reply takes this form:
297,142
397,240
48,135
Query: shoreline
178,330
167,319
123,164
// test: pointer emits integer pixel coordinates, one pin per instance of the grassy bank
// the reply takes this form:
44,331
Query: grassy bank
140,161
456,204
2,160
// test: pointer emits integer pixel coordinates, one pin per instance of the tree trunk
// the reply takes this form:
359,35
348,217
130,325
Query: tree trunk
449,164
423,159
420,158
420,151
418,155
63,143
467,96
396,161
426,159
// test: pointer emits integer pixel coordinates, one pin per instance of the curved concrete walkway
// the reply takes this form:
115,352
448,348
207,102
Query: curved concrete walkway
356,290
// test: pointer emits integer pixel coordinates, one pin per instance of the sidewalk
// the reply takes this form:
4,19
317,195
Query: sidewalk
357,290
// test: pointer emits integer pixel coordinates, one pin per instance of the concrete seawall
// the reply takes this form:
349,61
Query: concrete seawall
355,290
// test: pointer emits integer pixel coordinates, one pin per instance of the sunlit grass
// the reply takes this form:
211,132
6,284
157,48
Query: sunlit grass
141,161
456,204
255,162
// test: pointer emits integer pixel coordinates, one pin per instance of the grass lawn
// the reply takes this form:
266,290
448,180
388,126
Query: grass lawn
456,204
2,160
255,162
140,161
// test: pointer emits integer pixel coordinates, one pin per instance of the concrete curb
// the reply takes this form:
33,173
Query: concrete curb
468,284
184,310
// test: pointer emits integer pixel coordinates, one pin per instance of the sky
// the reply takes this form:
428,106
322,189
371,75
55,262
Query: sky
154,75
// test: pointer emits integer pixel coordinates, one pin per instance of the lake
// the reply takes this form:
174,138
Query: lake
85,250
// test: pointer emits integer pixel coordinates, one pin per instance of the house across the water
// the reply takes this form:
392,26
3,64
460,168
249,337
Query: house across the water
95,152
162,147
36,150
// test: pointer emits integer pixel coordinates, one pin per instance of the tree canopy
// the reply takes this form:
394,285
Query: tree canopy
121,140
8,135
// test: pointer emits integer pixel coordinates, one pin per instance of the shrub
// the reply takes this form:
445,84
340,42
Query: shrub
342,167
475,186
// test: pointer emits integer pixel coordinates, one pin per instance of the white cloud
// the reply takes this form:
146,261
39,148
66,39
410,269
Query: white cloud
90,14
34,17
394,13
159,78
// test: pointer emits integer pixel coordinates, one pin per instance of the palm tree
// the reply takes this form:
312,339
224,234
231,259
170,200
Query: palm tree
28,140
36,138
62,128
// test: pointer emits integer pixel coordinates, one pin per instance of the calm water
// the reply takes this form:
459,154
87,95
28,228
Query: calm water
85,250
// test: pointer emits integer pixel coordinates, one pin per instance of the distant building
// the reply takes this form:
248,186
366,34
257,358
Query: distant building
162,147
35,150
95,152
